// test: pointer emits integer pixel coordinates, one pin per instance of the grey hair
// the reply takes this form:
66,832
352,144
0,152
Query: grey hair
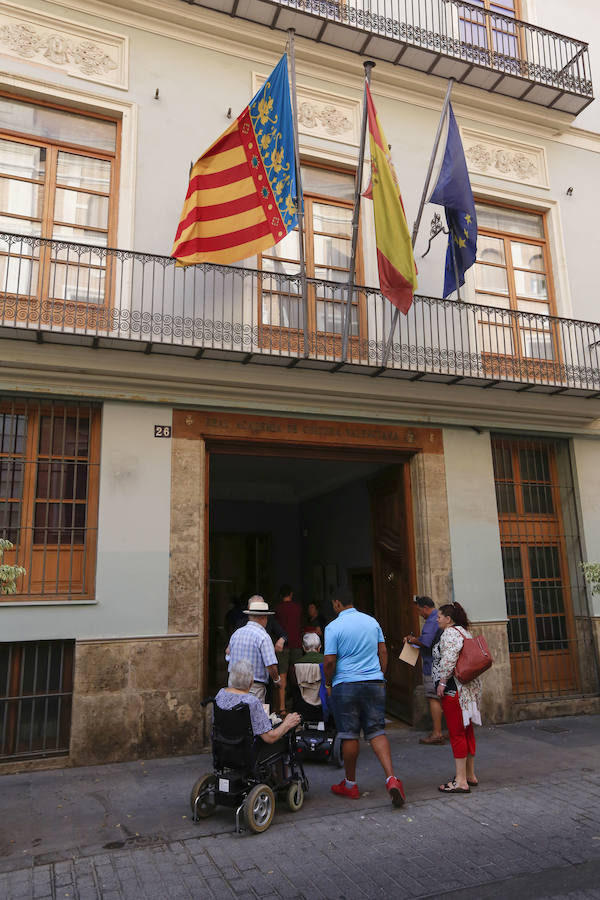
311,641
241,675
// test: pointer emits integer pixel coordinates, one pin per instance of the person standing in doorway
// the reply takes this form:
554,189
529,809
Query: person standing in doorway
355,665
288,614
254,644
430,634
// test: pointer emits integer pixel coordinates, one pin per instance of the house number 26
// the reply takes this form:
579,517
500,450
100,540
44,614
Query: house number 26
162,431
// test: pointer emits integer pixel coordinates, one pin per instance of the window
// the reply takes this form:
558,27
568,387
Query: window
512,272
36,687
58,173
536,573
491,29
49,494
328,207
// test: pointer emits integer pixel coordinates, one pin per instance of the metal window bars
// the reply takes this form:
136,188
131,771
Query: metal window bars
550,633
48,494
36,688
114,298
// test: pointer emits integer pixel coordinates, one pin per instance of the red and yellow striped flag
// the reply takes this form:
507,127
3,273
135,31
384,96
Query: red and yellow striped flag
242,193
395,259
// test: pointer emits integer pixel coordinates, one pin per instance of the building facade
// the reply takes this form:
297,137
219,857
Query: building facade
172,439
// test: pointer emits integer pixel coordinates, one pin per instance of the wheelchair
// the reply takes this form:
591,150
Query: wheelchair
248,773
317,738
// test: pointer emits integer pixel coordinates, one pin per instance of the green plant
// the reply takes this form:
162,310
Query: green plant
591,572
8,574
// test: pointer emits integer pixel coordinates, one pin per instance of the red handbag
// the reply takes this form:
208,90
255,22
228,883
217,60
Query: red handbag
473,660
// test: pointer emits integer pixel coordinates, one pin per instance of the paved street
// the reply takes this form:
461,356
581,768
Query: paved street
123,832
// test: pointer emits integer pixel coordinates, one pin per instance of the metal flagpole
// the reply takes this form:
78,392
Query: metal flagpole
299,207
436,144
369,66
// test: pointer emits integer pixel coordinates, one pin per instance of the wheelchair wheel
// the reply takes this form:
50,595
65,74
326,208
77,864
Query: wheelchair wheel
203,790
337,757
295,796
259,808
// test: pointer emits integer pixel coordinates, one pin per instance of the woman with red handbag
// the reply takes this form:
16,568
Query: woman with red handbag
460,702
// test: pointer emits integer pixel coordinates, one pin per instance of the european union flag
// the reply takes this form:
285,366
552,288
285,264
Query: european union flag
453,192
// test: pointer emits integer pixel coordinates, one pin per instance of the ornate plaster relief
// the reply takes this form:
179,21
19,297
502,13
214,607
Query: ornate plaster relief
81,51
324,115
502,158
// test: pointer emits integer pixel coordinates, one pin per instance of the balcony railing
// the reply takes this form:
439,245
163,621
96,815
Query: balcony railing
449,38
74,293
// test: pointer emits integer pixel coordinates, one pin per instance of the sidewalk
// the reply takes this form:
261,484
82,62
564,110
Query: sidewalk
123,832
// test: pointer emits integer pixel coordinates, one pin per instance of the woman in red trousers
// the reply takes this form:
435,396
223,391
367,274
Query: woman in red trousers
460,702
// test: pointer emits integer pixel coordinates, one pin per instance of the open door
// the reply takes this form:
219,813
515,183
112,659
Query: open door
392,580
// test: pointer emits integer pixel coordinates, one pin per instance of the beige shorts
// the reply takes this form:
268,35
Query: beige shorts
259,689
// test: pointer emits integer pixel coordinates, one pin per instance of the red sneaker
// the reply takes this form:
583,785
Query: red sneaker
344,791
396,791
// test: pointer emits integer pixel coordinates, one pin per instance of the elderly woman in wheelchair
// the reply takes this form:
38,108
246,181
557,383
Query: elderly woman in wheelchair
252,761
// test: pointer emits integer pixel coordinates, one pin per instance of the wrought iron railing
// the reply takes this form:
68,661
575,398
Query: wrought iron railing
113,297
453,29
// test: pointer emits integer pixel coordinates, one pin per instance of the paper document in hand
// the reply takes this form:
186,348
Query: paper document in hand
409,654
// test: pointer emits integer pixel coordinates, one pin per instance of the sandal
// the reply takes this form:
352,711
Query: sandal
432,740
472,783
452,788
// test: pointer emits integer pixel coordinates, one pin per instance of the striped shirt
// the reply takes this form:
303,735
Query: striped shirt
253,644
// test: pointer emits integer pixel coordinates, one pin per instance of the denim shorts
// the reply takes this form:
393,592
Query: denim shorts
359,705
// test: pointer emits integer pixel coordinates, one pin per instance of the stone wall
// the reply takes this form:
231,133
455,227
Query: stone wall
136,698
497,698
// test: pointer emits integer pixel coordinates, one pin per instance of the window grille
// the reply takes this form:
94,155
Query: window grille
541,557
36,689
49,460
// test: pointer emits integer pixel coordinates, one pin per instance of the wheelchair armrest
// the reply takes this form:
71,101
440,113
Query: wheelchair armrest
207,701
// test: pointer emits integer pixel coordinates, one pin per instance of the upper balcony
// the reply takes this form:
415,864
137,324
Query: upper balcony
60,292
448,38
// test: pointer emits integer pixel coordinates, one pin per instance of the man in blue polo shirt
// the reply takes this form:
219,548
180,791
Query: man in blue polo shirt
355,664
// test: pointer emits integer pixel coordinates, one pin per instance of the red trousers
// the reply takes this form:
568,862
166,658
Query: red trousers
462,740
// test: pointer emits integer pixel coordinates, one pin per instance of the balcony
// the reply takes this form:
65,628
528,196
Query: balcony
66,293
448,38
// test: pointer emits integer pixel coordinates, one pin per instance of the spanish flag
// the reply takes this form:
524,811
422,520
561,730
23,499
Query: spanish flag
242,196
395,259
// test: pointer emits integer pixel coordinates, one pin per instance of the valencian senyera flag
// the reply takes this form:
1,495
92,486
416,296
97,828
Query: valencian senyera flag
242,193
395,259
453,191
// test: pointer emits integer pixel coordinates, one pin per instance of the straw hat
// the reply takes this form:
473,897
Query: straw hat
258,607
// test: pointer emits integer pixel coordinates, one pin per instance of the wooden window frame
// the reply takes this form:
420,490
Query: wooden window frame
54,305
523,530
518,362
489,29
32,554
325,342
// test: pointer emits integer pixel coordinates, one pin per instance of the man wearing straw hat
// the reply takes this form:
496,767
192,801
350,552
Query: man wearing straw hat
254,644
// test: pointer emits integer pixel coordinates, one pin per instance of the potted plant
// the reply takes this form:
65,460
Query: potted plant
8,574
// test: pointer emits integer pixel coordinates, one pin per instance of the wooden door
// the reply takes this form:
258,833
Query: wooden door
392,579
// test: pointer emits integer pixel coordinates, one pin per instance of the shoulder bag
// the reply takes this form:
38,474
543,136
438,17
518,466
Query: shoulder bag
473,660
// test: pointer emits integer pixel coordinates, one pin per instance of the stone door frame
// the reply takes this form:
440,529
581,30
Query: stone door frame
197,433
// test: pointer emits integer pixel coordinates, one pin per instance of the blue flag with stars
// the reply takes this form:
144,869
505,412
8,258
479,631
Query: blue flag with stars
453,192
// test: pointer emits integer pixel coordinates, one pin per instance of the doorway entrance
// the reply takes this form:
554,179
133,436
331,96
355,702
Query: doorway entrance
319,523
316,503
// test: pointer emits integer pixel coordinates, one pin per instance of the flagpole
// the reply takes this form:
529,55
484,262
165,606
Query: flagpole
436,144
369,65
299,201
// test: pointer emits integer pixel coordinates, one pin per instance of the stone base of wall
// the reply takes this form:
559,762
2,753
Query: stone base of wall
497,699
561,706
136,698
